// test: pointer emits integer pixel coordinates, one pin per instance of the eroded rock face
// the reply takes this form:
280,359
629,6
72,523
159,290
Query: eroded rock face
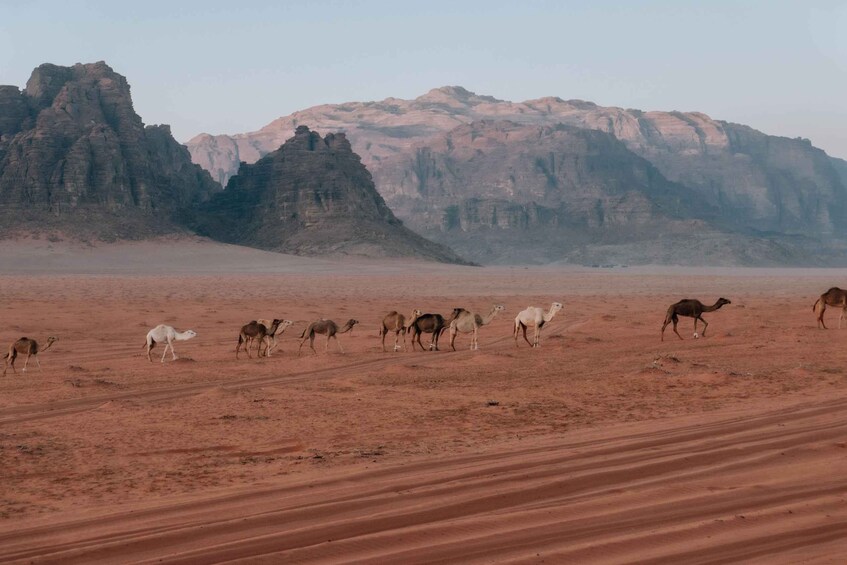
75,157
311,196
752,182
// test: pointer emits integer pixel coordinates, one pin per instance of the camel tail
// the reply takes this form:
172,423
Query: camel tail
302,335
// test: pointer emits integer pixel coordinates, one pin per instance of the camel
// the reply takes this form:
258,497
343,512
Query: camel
690,308
534,316
255,331
163,333
470,322
429,323
396,322
271,335
832,297
327,327
28,347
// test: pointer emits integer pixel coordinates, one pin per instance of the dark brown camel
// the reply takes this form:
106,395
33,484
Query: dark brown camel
690,308
434,324
396,322
832,297
327,327
28,347
254,331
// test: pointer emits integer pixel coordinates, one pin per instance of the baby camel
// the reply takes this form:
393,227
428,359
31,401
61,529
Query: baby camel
534,316
327,327
258,332
270,338
28,347
470,322
167,334
690,308
396,322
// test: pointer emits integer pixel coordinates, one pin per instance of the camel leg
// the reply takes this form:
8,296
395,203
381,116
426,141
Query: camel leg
37,362
675,322
418,336
667,321
695,325
382,333
26,361
168,344
312,343
820,316
475,342
453,333
150,347
842,317
537,336
523,327
396,341
326,343
299,349
338,343
705,325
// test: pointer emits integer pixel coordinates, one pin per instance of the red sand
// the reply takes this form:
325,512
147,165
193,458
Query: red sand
605,445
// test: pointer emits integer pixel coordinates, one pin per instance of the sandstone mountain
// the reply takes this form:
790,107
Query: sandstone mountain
76,158
758,199
312,196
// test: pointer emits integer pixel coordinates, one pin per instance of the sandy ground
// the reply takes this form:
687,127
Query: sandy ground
603,446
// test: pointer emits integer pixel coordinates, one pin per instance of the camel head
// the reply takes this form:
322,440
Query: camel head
285,323
722,301
455,314
187,334
51,339
498,308
416,313
555,307
349,325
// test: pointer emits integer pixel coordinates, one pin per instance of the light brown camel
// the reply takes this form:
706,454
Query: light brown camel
28,347
327,327
433,324
832,297
270,338
167,335
395,322
254,331
534,316
470,322
690,308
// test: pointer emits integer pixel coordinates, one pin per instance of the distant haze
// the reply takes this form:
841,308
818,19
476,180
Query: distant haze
780,67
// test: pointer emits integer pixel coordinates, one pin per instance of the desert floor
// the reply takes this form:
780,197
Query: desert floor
604,445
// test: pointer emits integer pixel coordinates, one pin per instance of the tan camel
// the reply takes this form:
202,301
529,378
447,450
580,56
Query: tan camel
396,322
28,347
832,297
433,324
254,331
690,308
534,316
470,322
168,335
328,328
270,338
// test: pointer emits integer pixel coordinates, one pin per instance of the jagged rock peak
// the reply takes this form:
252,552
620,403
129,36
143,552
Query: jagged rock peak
454,94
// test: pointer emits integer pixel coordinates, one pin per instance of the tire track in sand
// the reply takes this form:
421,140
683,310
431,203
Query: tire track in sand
704,489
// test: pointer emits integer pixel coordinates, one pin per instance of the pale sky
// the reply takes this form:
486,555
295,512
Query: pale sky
231,67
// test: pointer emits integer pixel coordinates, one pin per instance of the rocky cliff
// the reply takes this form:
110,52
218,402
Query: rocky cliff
745,182
311,196
76,158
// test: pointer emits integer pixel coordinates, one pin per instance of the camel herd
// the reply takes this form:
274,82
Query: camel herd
264,333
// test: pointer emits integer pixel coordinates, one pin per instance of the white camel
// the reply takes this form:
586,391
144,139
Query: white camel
271,337
168,335
470,322
534,316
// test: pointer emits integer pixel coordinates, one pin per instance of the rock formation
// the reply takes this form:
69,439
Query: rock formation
76,158
311,196
747,183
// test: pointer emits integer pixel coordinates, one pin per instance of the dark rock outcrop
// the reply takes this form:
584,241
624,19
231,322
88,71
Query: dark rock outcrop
76,158
312,196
